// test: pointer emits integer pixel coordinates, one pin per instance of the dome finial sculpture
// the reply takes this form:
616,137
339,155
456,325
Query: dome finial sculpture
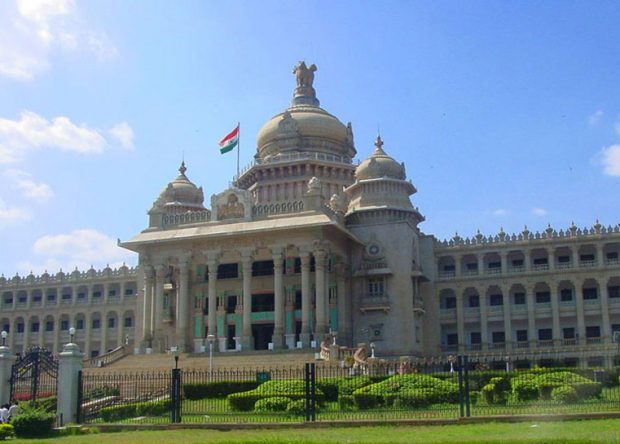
182,168
304,93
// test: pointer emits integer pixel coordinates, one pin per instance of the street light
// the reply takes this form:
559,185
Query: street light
4,335
71,334
176,358
211,341
372,350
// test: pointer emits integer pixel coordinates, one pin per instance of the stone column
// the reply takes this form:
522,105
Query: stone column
278,329
484,318
247,341
88,320
527,260
507,314
606,330
42,331
551,258
575,254
480,258
581,322
26,330
321,303
304,337
69,365
74,293
147,308
7,359
57,344
600,259
158,308
121,289
555,314
89,294
458,265
182,308
503,256
344,325
289,307
212,264
531,315
460,320
104,332
29,298
106,292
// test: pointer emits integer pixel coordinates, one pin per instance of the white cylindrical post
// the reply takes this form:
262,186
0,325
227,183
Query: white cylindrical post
69,366
6,363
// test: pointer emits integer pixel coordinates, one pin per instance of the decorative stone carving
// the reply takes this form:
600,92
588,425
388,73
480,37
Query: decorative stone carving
233,203
287,125
304,75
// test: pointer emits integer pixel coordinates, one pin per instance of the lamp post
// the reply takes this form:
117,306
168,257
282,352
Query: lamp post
507,364
372,350
71,334
4,336
176,359
210,341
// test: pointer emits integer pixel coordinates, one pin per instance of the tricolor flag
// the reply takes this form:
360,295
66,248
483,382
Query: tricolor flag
230,141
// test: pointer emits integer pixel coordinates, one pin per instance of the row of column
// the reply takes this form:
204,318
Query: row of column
531,314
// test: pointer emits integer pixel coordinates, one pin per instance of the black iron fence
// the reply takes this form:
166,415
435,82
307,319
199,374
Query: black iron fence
433,389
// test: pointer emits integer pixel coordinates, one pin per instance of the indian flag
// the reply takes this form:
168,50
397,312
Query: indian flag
230,141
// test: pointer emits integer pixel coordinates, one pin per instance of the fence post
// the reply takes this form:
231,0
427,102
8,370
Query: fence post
466,378
7,359
79,417
461,387
313,391
307,391
69,367
175,395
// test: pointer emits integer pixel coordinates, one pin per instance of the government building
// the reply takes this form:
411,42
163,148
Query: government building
306,244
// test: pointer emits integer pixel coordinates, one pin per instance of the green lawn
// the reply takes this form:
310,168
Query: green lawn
587,431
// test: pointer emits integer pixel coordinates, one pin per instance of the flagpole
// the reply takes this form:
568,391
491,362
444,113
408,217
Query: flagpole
238,146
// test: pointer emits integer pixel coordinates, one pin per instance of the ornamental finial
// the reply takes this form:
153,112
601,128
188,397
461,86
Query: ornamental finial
304,94
182,168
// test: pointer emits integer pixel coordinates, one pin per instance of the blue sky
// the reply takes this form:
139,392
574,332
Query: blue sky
505,113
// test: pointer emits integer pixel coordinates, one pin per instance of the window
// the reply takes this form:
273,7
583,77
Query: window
474,300
448,268
79,324
590,293
298,300
8,301
262,268
612,255
81,296
496,299
128,291
568,333
231,304
263,302
64,325
452,339
96,323
22,299
519,298
521,335
205,307
128,322
498,337
566,295
450,302
20,327
94,353
97,294
545,334
34,327
586,257
228,271
613,292
297,265
494,265
543,297
541,261
66,296
112,293
517,262
49,326
36,298
6,328
475,337
563,259
376,287
111,323
51,297
594,331
473,266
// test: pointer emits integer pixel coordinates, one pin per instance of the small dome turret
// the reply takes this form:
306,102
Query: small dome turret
379,165
180,195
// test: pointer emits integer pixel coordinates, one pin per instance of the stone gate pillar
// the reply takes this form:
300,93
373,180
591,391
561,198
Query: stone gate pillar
69,365
7,359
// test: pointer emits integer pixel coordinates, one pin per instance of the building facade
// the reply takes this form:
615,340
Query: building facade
306,243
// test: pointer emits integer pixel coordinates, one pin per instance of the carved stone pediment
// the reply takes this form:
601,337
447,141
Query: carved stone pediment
233,203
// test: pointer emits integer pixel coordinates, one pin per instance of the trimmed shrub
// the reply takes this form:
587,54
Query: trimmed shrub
346,402
540,385
274,404
33,423
103,391
496,391
564,395
217,390
47,404
120,412
296,408
293,389
6,431
335,387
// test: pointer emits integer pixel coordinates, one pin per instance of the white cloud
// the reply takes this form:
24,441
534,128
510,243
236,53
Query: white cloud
595,117
539,212
610,159
32,30
31,131
22,181
123,133
617,126
500,212
12,215
79,248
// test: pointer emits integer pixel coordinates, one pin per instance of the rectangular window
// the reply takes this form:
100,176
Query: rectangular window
450,302
36,298
96,323
474,301
612,255
22,299
566,295
128,291
568,333
263,302
79,324
521,335
298,300
20,327
517,262
66,296
6,328
228,271
472,266
545,334
376,287
231,304
519,298
81,296
586,257
64,325
297,265
613,292
34,328
543,297
590,293
51,297
128,322
8,301
498,337
205,307
496,299
452,339
475,337
111,323
563,259
262,268
97,294
112,293
494,265
49,326
541,261
448,268
594,331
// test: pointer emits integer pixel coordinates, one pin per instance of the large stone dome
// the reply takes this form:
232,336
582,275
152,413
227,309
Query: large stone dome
379,165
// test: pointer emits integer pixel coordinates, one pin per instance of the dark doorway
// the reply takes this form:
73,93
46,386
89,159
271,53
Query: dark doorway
262,335
230,338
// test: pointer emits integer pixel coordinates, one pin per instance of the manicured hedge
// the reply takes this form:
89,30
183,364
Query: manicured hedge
293,389
335,387
33,423
533,385
120,412
414,390
220,389
273,404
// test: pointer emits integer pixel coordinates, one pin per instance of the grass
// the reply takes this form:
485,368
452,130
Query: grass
586,431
